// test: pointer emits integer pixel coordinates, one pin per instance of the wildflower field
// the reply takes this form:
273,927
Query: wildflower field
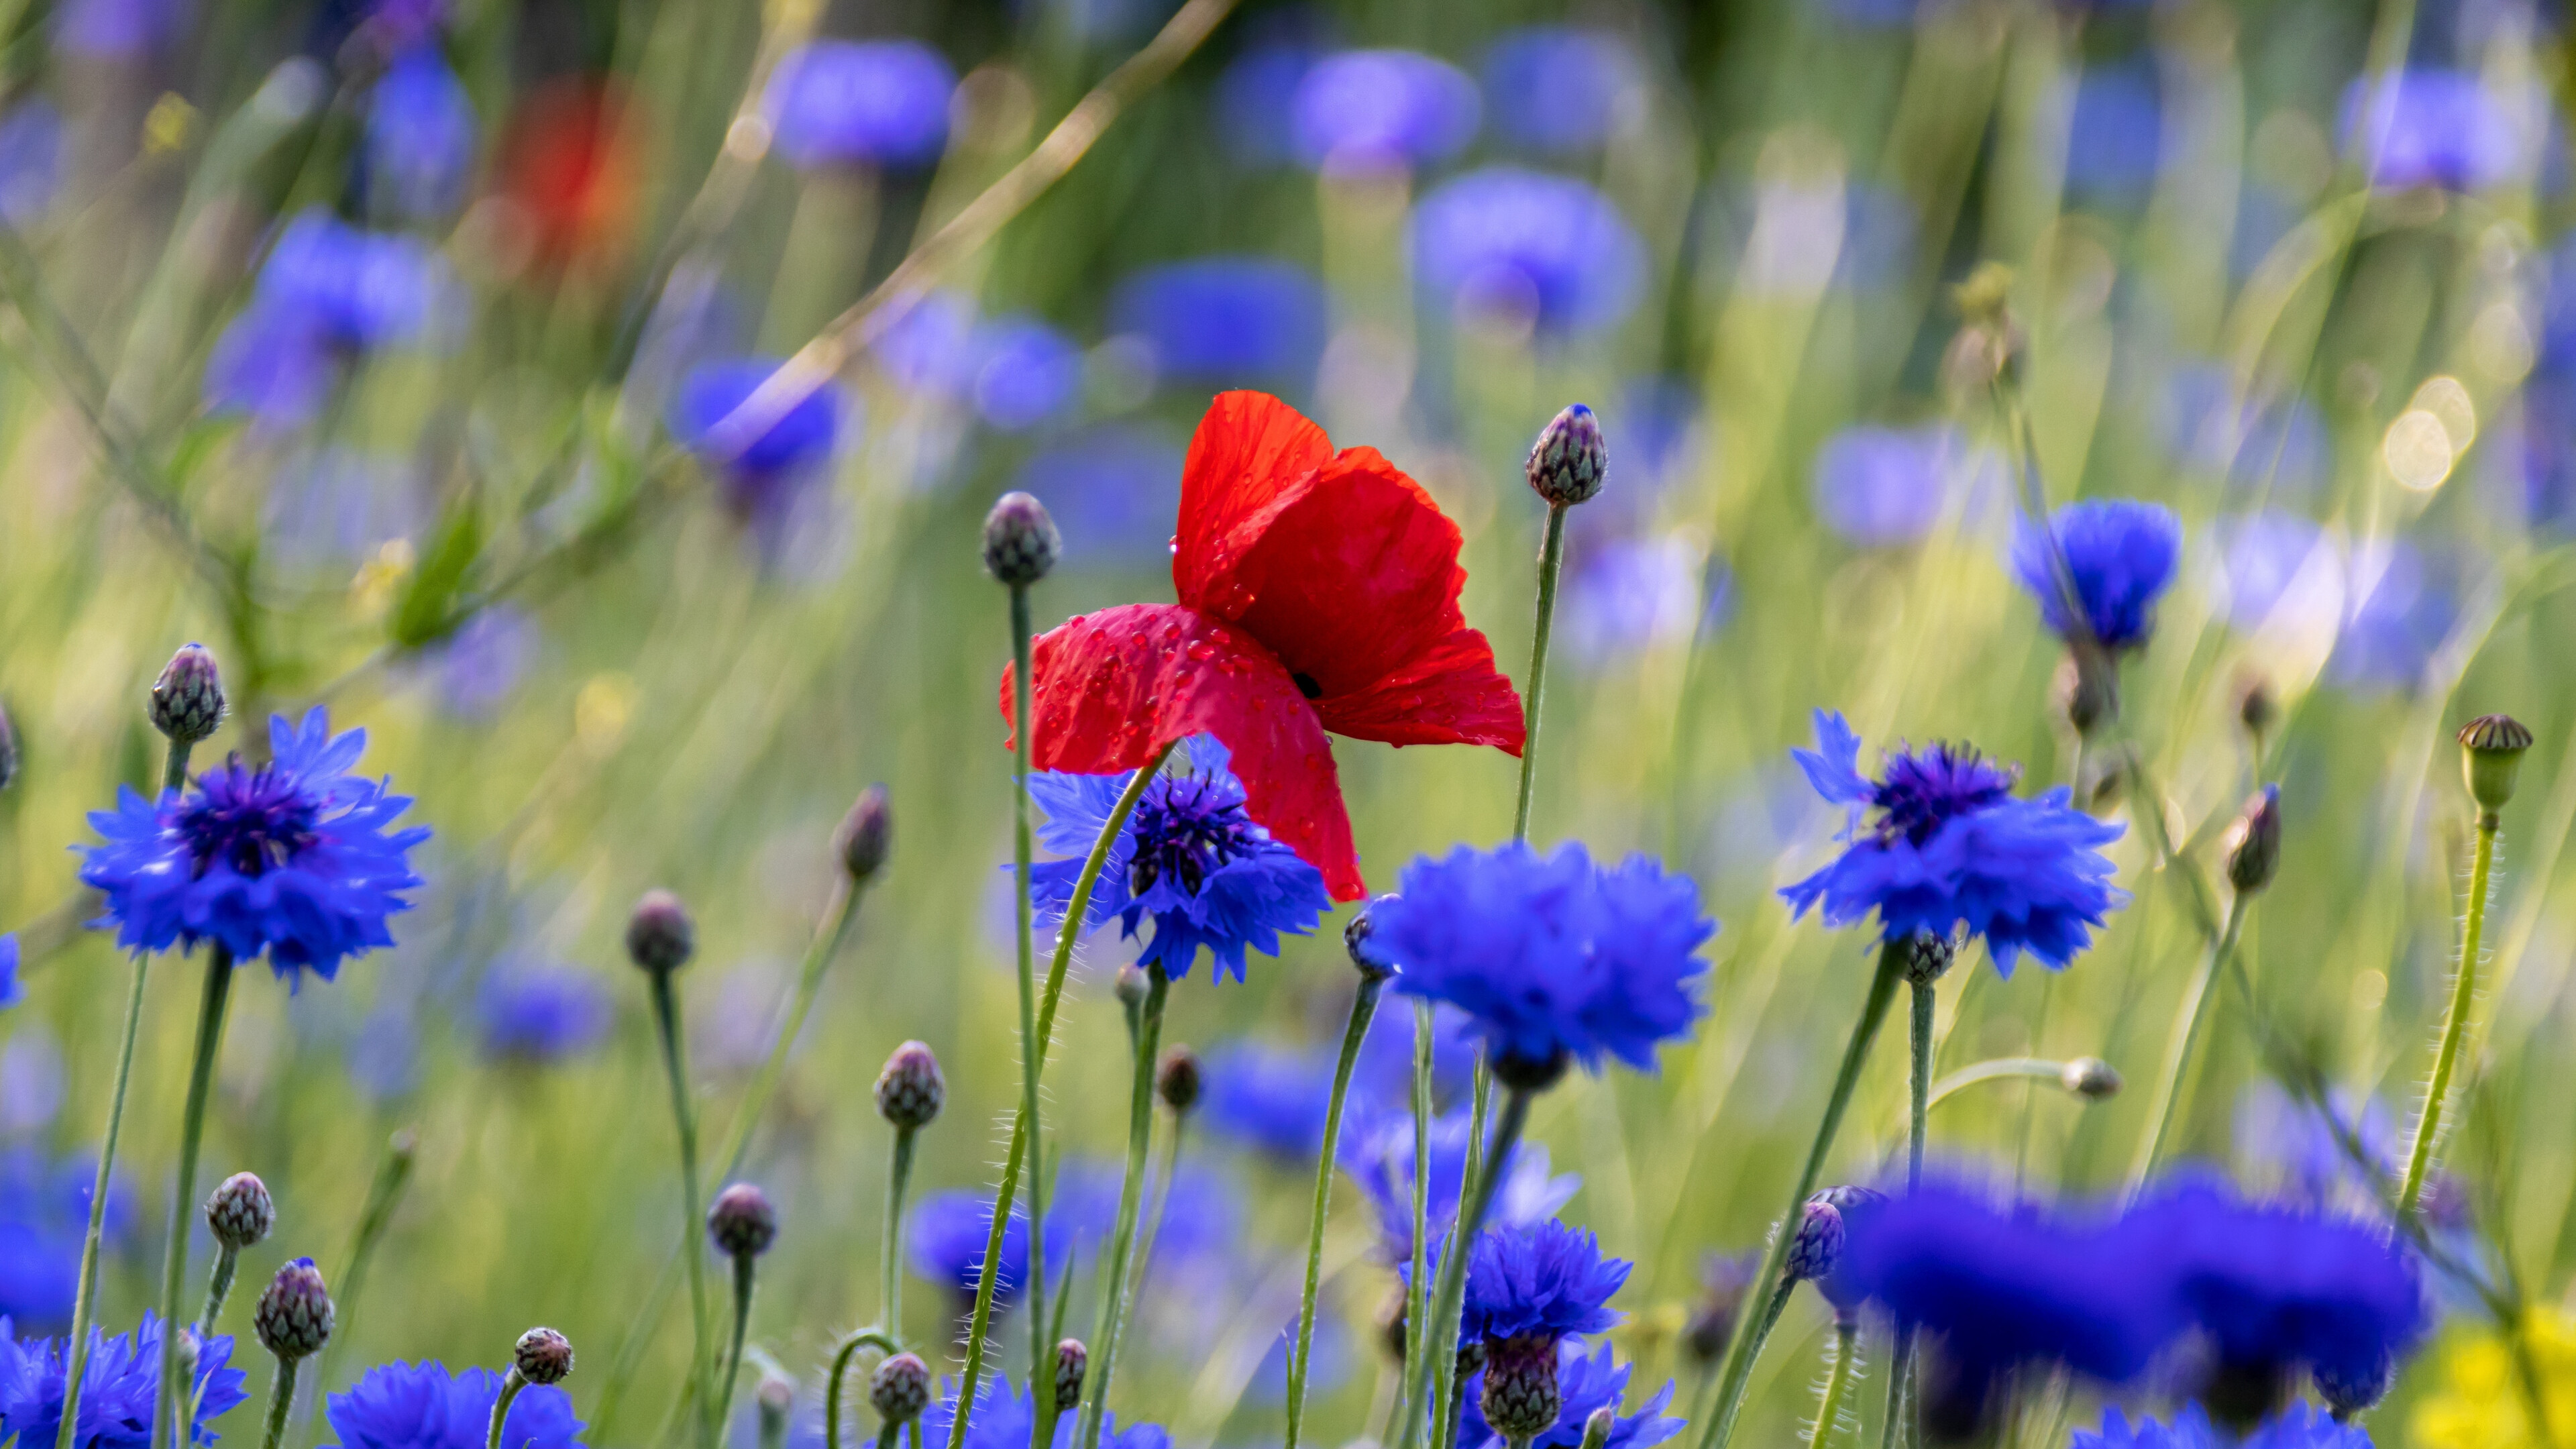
1242,725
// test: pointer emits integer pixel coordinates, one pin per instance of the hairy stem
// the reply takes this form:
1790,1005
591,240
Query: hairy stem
1363,1008
1041,1381
850,1346
890,1257
743,1277
511,1383
1551,560
2455,1022
1838,1380
281,1397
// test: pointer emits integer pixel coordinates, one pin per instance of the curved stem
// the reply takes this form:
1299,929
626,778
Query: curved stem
890,1257
743,1266
1122,1238
2179,1046
1838,1379
281,1397
85,1298
1436,1367
2455,1023
1041,1381
218,1287
1363,1007
1995,1069
666,1021
1746,1343
511,1383
192,1131
1076,909
1551,559
849,1349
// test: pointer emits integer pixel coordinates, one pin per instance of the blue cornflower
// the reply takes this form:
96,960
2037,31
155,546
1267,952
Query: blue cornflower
761,483
2114,129
1378,1152
1006,1418
2402,604
31,161
1552,957
44,1213
327,291
10,994
1881,487
2434,127
1383,108
419,150
1256,98
1384,1072
117,1382
117,30
2297,1427
1547,251
478,667
1584,1383
1270,1098
852,103
1562,89
1026,373
1113,491
425,1406
1546,1281
1226,321
539,1016
1952,848
2122,555
1189,857
1632,594
292,860
944,1237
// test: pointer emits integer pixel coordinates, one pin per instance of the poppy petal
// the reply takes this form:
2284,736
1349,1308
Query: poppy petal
1116,686
1251,455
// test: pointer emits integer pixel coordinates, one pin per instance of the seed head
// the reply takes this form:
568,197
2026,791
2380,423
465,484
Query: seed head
910,1089
1569,461
900,1389
1020,542
741,1222
1072,1362
864,835
2090,1078
1818,1245
1177,1079
2254,842
188,698
240,1211
1522,1399
543,1356
660,936
2491,751
1372,963
294,1314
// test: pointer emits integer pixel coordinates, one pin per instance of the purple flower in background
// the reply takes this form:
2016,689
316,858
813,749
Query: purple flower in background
1256,98
537,1016
117,30
2113,134
117,1380
334,507
419,148
327,291
477,668
930,347
1384,1073
2435,127
31,161
1378,1152
1333,1361
1560,89
44,1214
761,482
945,1235
1546,250
1660,425
1112,491
1881,487
1585,1382
854,103
383,1054
2251,443
2265,557
2289,1142
1226,321
1628,595
10,994
2296,1427
2403,605
1006,1418
1383,108
1273,1099
427,1406
1026,373
2121,554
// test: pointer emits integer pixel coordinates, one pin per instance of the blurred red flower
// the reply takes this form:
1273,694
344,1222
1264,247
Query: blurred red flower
570,165
1319,592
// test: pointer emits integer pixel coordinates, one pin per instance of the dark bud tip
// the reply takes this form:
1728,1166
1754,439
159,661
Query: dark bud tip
1723,1281
2088,688
1522,1399
1357,938
1177,1079
1818,1245
1530,1074
1020,542
543,1356
741,1222
660,936
900,1388
2090,1078
1928,957
1072,1362
1569,461
2254,842
188,698
294,1314
910,1091
2256,709
865,834
2491,750
1390,1323
240,1212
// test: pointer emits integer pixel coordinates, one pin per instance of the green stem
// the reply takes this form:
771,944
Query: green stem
666,1021
889,1266
2179,1047
1995,1069
1746,1343
743,1266
85,1301
1122,1237
849,1349
1838,1378
511,1383
1551,559
1076,910
1417,1306
281,1397
1918,1094
1363,1007
2455,1023
192,1131
1041,1379
1436,1365
1900,1397
1444,1423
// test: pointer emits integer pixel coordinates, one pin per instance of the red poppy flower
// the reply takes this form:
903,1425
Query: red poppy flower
1319,592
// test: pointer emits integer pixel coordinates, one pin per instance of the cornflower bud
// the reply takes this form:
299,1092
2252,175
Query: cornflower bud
900,1389
294,1314
1072,1363
776,1398
2256,709
1818,1245
543,1356
1597,1426
660,937
1020,541
1928,957
1131,987
2254,842
240,1211
864,835
1371,962
1724,1280
188,698
1177,1079
2491,752
1522,1399
910,1090
1569,461
2090,1078
741,1222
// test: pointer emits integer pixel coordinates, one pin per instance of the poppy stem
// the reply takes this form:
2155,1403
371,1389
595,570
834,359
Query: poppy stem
1363,1007
2178,1048
2455,1023
1122,1239
1076,910
1838,1378
166,1400
1746,1343
1436,1364
1041,1378
85,1300
1551,560
666,1021
850,1346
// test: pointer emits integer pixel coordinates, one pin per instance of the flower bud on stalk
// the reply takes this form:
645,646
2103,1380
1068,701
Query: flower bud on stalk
1177,1079
1570,460
742,1224
865,834
295,1314
2090,1078
1372,962
1072,1363
188,699
2256,709
2491,754
900,1389
776,1397
1818,1246
542,1356
910,1091
239,1213
1020,541
660,937
2254,842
